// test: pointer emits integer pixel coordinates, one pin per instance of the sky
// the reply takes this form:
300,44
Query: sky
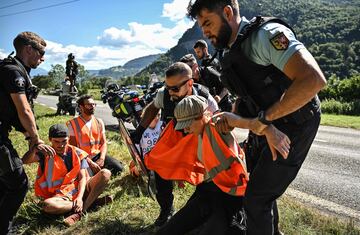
100,33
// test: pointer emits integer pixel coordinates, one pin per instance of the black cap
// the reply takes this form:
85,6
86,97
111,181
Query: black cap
58,130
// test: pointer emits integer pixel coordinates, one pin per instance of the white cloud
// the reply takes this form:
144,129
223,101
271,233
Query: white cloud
95,57
3,54
119,45
153,36
175,10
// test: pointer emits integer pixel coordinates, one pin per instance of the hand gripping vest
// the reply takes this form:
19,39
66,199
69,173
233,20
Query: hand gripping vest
55,180
87,140
224,161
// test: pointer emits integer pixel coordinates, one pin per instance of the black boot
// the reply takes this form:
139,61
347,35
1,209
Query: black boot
164,217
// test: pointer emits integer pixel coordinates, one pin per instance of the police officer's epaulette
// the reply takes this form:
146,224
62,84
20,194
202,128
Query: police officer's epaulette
254,24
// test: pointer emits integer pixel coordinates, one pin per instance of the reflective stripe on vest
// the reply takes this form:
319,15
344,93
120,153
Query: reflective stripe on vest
55,179
87,139
223,162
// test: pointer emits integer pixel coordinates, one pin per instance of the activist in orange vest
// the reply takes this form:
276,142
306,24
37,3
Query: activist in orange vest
88,133
217,201
62,181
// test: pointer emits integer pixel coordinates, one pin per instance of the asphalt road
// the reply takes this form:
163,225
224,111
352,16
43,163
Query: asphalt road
329,178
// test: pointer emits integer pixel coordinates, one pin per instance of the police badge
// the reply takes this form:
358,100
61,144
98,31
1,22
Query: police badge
280,41
20,82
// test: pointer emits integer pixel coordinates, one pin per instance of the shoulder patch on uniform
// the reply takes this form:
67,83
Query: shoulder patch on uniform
20,82
280,41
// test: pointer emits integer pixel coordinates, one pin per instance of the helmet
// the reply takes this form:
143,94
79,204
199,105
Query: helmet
133,169
71,56
113,86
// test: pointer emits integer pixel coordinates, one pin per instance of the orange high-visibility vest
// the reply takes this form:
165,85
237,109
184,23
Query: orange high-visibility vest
224,161
55,180
87,140
174,157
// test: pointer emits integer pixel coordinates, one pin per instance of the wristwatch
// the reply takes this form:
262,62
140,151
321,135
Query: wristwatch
261,118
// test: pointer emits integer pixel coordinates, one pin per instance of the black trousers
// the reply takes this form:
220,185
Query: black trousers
164,195
269,179
111,164
209,208
13,185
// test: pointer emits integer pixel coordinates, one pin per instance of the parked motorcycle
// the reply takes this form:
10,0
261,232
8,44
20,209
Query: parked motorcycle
125,103
150,93
67,100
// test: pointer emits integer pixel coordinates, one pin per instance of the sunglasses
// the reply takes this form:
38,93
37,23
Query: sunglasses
176,88
41,52
90,104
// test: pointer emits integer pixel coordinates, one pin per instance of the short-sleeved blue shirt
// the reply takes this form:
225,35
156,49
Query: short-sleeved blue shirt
259,49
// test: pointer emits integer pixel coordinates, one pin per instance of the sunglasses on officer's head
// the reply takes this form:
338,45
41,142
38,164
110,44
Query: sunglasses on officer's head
176,88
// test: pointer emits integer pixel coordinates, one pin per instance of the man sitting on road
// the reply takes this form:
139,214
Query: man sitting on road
62,181
88,133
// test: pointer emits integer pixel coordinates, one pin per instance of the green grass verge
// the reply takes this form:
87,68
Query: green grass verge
95,93
340,120
132,211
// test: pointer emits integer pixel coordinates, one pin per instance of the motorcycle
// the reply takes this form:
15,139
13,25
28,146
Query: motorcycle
67,100
150,93
67,104
125,103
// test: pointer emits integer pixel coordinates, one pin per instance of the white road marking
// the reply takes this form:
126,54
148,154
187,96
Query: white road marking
323,204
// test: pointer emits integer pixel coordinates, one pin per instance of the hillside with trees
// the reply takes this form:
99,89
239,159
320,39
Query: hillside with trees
128,69
330,29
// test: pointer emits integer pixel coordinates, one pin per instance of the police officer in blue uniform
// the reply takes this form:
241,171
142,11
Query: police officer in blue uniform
276,80
16,113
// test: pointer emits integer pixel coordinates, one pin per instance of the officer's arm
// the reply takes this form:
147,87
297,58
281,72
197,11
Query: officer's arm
30,156
26,116
307,79
149,114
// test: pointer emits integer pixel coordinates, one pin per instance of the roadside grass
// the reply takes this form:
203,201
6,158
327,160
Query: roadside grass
96,93
340,120
132,211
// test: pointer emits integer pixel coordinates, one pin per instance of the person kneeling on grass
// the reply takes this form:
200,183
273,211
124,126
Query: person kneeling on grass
63,182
